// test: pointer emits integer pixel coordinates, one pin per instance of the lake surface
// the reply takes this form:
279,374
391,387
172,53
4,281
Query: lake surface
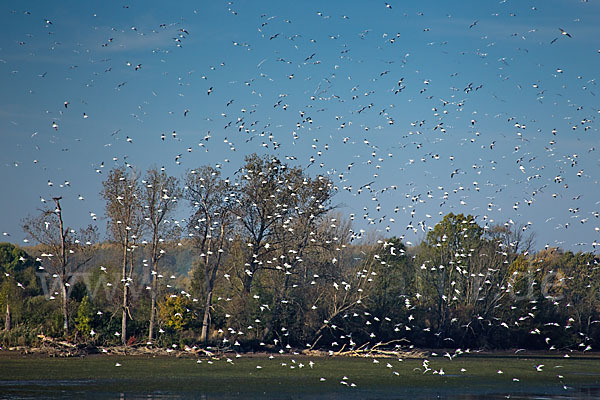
298,377
101,390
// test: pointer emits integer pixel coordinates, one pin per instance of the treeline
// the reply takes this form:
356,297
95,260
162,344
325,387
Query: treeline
270,265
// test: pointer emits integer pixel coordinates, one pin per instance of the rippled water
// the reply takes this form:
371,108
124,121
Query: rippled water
95,389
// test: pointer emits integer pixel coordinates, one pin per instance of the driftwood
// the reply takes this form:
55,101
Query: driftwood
157,351
54,348
60,348
57,343
380,350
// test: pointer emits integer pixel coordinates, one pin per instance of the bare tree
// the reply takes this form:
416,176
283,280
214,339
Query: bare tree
159,195
64,252
258,210
209,226
346,277
277,206
123,209
297,239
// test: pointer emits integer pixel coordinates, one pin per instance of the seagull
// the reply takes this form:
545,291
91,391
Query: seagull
563,32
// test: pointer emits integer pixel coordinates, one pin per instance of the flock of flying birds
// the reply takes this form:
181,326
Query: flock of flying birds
412,114
404,140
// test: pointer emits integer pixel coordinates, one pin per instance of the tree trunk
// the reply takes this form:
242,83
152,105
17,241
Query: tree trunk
124,320
152,307
125,295
209,277
247,283
154,288
206,318
64,308
64,262
7,321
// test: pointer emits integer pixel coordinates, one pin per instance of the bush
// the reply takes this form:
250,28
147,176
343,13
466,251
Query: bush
20,335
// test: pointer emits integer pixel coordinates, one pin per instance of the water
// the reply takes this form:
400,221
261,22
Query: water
248,377
101,389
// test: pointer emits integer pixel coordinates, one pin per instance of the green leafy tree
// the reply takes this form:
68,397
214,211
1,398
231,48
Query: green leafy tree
176,312
446,267
85,317
576,284
392,294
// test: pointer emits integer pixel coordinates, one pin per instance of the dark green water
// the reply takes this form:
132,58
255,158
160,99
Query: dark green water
110,377
102,390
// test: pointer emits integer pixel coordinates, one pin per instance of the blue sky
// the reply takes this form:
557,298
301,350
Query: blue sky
401,97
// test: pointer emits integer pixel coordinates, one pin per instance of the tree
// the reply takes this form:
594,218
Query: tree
83,321
13,264
582,292
391,294
302,233
259,198
64,252
344,284
124,212
176,312
446,267
511,241
209,227
159,195
491,279
272,200
278,211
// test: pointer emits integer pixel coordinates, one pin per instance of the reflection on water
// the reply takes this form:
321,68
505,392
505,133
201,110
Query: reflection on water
91,389
44,382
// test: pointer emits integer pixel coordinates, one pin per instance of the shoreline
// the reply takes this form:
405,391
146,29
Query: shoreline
69,350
